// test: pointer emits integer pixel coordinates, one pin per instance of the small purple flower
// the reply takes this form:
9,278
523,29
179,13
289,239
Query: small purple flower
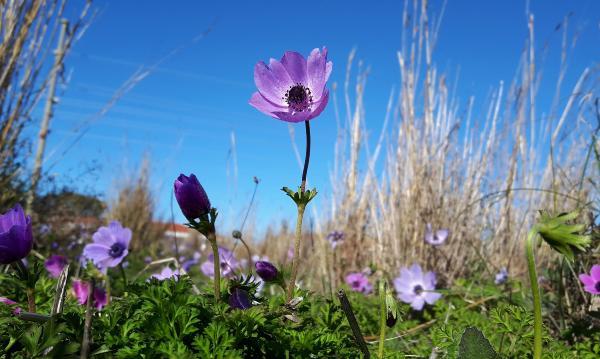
147,259
228,263
9,302
191,197
293,89
335,238
359,282
110,246
54,245
415,287
437,238
166,273
592,281
55,264
187,265
16,238
266,270
502,276
81,290
239,299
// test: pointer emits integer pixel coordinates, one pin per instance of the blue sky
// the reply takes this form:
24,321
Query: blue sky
184,114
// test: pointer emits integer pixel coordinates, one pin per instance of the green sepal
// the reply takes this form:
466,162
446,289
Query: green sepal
391,306
564,238
301,198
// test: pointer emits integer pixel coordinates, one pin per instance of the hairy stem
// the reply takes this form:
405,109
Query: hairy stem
535,291
382,319
217,265
31,299
296,259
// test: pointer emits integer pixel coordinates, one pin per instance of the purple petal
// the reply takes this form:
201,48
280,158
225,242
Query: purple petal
416,271
595,272
321,105
293,116
591,289
407,297
429,281
272,83
418,303
431,297
295,64
15,216
587,280
260,103
104,237
317,72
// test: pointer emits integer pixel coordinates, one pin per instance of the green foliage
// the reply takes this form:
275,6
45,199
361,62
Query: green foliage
473,345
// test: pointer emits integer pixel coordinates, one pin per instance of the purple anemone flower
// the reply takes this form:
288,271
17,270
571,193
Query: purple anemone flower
166,273
266,270
335,238
359,282
502,276
415,287
55,264
437,238
187,265
228,263
110,246
239,299
592,281
292,89
16,237
191,197
81,290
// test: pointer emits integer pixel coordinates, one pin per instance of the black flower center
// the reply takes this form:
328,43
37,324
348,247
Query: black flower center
597,286
116,250
356,284
299,98
418,289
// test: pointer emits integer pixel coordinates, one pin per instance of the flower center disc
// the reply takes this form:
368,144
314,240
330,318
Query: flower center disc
299,98
598,286
116,250
418,289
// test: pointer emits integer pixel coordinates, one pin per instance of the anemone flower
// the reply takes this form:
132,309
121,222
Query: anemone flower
359,282
55,264
191,197
81,290
437,238
239,299
501,276
228,263
335,238
16,238
294,88
266,270
592,281
110,246
415,287
166,273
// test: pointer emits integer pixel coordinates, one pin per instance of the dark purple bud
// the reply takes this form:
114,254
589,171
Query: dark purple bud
391,320
266,270
191,197
239,299
16,238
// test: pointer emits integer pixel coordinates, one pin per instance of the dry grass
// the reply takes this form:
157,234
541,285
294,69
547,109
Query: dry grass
481,175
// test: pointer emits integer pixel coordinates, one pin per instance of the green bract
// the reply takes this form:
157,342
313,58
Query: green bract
562,237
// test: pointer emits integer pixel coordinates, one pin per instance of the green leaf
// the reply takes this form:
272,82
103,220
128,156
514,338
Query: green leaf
473,345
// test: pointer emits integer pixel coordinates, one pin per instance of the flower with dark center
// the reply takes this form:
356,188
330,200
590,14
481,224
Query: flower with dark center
110,245
294,88
16,238
415,287
437,238
359,282
55,264
591,281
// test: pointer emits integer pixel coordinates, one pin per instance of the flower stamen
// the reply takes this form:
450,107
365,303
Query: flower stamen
298,97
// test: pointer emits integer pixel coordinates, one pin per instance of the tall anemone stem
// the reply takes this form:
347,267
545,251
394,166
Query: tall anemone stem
301,208
535,291
382,319
212,238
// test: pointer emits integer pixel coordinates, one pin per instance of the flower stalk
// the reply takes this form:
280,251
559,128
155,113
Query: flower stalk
535,291
212,238
383,317
296,259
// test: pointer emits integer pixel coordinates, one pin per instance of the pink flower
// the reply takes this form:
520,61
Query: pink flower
592,281
81,290
7,301
55,264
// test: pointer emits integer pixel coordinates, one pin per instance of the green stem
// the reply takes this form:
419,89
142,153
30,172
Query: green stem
123,275
31,299
217,265
296,259
383,317
108,290
535,291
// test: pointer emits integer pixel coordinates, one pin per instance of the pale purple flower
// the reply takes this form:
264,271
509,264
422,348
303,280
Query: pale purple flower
228,263
437,238
415,287
502,276
110,246
592,281
55,264
16,236
187,265
359,282
81,290
147,259
166,273
293,89
335,238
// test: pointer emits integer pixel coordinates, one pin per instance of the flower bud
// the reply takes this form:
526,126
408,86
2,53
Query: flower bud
266,270
239,299
191,197
236,234
16,238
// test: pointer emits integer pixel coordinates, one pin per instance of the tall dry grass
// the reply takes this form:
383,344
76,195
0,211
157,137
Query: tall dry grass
481,175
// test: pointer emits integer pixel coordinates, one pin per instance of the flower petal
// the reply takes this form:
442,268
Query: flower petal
595,272
317,71
407,297
295,64
431,297
259,102
587,280
272,84
418,303
321,105
292,116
